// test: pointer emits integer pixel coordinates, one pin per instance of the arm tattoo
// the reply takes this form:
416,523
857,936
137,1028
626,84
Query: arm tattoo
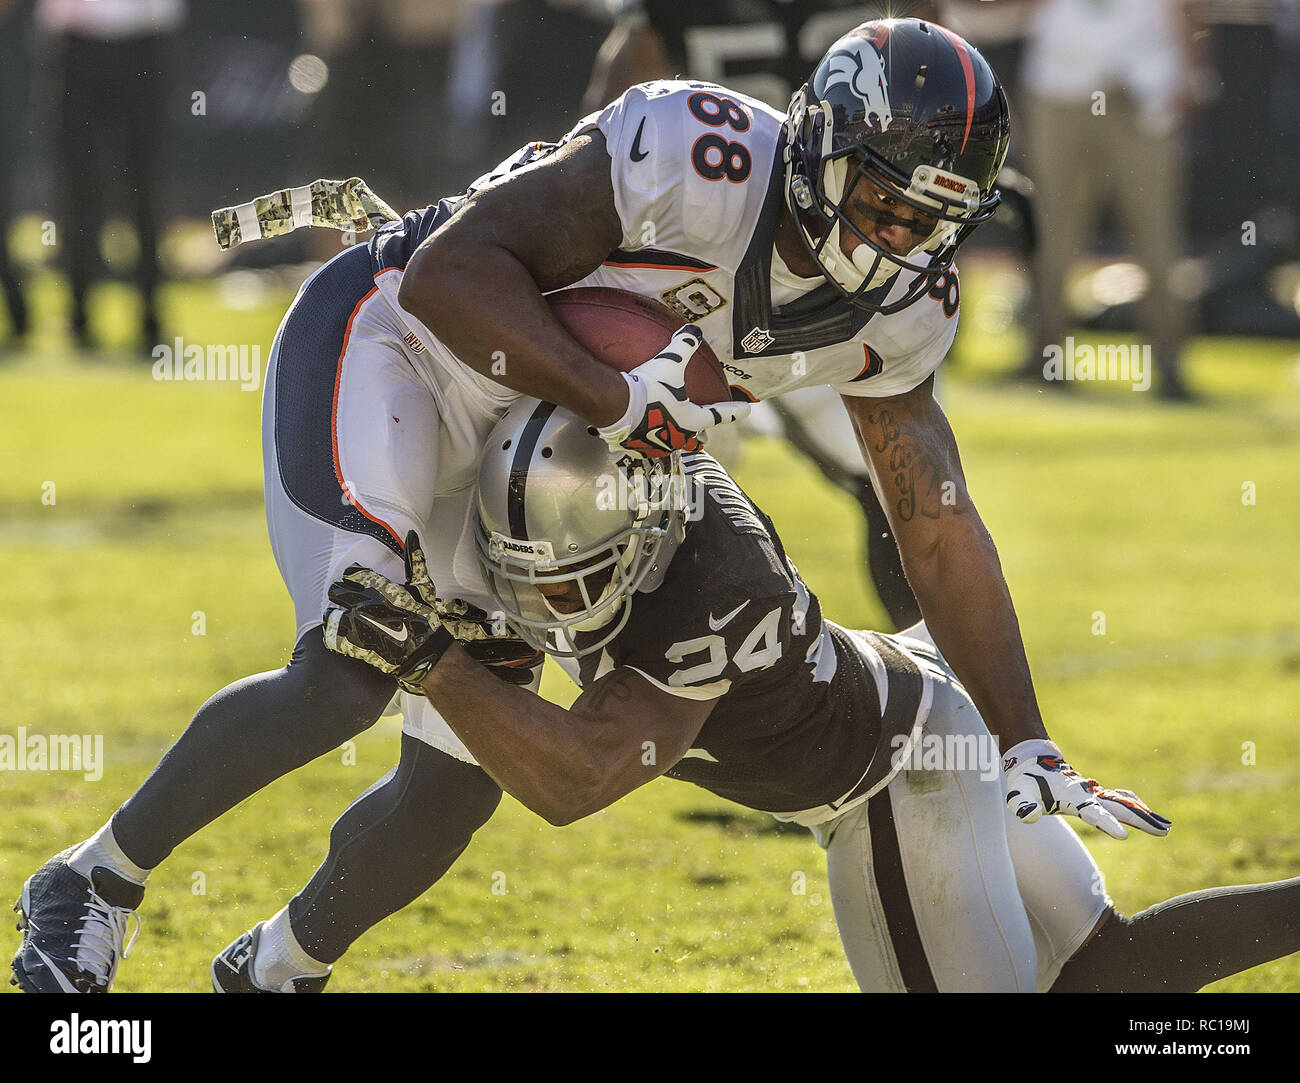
919,459
610,690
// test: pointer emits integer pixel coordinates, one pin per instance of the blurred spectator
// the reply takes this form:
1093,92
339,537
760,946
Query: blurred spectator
107,64
383,112
13,121
1108,85
764,48
518,73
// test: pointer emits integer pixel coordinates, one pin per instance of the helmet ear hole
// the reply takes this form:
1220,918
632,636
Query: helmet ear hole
563,550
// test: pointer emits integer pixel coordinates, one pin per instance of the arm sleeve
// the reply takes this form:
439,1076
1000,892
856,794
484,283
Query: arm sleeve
641,138
663,201
908,358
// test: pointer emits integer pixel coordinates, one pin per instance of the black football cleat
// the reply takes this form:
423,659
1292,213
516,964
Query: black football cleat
232,970
74,929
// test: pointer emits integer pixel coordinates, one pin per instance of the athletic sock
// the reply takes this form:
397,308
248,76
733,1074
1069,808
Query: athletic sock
1185,943
101,849
280,958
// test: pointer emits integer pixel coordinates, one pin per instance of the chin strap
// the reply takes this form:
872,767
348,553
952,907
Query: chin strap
343,205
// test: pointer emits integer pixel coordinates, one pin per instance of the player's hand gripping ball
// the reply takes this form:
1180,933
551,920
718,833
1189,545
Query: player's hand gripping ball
660,418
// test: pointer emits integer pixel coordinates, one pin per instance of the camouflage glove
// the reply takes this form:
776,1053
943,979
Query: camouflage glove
386,625
488,639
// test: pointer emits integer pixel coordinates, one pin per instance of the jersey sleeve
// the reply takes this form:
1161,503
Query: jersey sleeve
662,199
909,349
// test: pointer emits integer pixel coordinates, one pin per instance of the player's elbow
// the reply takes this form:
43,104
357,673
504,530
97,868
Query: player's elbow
562,811
570,797
562,814
944,549
436,276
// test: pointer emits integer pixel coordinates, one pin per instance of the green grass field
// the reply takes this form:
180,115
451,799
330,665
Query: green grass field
1102,501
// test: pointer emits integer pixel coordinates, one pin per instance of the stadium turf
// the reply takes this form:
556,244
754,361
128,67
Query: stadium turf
1158,608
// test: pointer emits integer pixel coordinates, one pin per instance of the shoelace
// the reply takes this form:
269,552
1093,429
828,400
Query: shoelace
101,941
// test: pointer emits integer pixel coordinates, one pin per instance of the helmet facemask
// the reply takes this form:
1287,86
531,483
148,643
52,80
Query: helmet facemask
830,156
910,109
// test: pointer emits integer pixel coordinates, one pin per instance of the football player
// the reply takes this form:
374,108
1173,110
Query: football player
702,655
815,247
763,48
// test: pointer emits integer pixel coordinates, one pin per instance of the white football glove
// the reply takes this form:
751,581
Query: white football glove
660,419
1040,781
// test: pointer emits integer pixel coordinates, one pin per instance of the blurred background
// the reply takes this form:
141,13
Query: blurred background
1149,540
125,122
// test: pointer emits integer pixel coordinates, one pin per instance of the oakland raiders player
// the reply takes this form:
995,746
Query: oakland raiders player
702,655
816,248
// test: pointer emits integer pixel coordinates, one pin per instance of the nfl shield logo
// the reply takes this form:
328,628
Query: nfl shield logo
758,340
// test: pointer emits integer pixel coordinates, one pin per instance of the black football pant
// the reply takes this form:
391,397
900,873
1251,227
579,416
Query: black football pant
109,101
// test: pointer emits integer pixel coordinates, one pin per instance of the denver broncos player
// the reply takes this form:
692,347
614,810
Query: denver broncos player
703,656
763,48
812,249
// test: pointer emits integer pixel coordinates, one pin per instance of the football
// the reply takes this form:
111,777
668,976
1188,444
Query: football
625,330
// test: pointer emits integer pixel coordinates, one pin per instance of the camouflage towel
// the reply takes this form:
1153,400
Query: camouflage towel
348,204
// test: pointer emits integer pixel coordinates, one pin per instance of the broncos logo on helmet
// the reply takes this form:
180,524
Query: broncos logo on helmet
857,64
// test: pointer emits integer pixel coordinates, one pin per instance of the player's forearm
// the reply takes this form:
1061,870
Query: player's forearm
528,745
951,562
958,581
484,306
477,282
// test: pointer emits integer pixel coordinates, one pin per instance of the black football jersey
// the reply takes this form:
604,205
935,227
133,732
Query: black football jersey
766,48
797,722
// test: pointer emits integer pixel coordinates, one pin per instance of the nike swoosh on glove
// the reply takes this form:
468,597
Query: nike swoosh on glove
389,626
660,419
1039,780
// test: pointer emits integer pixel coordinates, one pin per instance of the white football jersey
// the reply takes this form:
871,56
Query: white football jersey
699,185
